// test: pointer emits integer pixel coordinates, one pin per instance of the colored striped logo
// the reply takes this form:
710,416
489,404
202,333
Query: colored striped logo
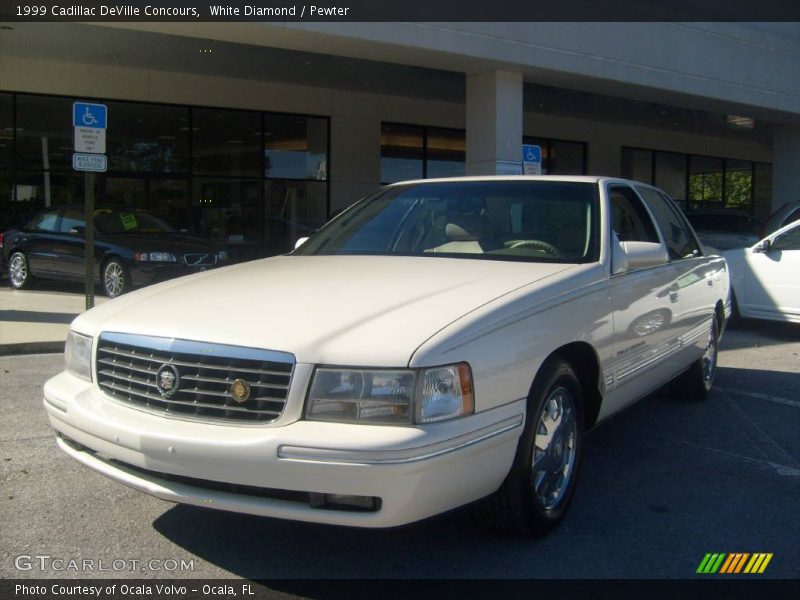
736,562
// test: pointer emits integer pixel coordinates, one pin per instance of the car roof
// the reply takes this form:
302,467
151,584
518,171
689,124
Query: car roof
510,178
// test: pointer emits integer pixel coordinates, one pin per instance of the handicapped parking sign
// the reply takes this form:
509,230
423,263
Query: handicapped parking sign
531,159
89,121
85,114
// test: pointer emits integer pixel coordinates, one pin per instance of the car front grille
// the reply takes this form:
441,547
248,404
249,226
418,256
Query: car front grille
205,377
200,260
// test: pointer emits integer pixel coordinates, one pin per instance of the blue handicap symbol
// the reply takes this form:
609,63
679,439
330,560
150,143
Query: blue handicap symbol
85,114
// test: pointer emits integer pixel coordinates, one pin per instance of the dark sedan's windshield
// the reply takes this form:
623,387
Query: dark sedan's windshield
508,220
130,221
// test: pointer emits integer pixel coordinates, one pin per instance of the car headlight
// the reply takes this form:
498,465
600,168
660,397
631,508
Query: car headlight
155,257
390,396
78,355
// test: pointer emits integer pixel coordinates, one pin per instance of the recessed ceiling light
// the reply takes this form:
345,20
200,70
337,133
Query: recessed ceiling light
739,121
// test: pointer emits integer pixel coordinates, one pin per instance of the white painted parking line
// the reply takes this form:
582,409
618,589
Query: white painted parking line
757,396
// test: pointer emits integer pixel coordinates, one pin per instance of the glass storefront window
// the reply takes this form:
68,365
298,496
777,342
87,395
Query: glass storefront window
147,138
295,147
567,158
164,198
226,142
446,152
739,184
402,152
293,209
637,164
705,179
670,174
41,189
227,212
6,133
44,132
762,190
560,157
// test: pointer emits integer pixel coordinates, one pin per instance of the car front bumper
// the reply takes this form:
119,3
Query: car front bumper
416,472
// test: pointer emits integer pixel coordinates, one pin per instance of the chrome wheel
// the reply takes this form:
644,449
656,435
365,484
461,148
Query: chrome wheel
709,360
114,279
18,270
555,448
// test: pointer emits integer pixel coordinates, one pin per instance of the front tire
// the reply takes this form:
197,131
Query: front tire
537,491
19,272
116,280
697,381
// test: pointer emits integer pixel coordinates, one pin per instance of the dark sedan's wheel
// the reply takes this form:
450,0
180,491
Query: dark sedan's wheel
537,491
116,280
697,381
19,273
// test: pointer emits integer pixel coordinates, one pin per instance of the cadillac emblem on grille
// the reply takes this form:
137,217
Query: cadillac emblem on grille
167,380
240,391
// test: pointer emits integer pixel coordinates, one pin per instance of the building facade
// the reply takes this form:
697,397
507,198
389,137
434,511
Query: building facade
253,134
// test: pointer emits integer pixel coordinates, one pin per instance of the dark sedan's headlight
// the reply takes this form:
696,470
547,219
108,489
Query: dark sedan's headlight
154,257
390,396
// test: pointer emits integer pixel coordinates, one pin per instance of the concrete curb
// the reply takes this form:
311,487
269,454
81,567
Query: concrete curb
31,348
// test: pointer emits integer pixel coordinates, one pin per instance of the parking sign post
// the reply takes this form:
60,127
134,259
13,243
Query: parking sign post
89,239
90,122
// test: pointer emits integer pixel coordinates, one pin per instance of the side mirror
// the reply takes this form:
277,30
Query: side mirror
764,246
628,256
300,242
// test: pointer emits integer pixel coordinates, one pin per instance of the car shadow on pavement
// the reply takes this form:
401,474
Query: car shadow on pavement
753,333
33,316
261,547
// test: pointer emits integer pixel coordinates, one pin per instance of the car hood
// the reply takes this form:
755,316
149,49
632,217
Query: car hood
372,311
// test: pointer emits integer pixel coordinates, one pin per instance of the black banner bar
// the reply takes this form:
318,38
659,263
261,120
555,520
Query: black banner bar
242,589
399,10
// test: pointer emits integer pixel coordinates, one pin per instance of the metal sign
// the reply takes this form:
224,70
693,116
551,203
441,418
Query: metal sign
96,163
507,167
85,114
89,121
531,159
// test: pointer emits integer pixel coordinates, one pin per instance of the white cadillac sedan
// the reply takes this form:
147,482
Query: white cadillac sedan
441,342
766,277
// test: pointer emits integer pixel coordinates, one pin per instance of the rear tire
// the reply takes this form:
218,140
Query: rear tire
19,272
537,491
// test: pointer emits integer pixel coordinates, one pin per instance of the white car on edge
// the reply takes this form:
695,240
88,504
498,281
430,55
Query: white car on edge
766,277
440,342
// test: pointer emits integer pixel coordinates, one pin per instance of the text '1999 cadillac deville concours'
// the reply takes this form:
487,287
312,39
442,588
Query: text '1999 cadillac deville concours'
438,343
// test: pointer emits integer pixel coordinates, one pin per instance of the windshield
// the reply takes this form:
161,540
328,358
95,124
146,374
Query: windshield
131,221
506,220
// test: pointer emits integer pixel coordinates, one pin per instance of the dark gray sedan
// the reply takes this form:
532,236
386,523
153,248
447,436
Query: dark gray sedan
132,249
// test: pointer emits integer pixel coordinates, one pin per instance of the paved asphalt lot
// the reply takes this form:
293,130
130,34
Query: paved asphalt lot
662,484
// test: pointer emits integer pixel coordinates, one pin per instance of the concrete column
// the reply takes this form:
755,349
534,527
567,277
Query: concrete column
786,165
604,158
355,159
494,121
